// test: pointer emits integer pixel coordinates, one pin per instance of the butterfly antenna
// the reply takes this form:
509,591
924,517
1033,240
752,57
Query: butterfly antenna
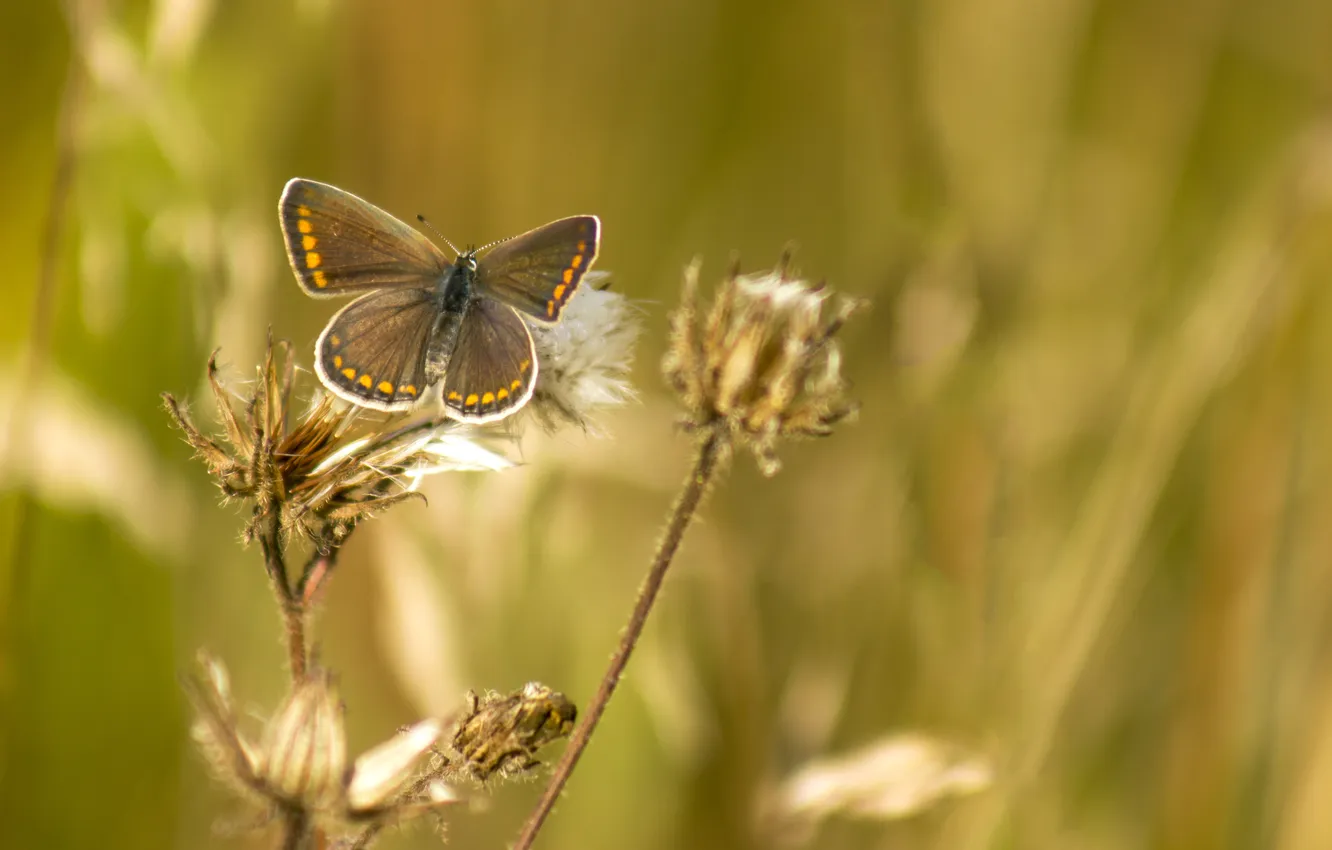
492,244
423,220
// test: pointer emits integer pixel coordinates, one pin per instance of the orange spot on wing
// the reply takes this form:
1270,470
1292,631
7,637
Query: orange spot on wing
304,226
308,242
304,212
576,261
334,339
455,396
568,275
582,246
385,387
522,367
337,361
502,394
559,291
550,309
312,260
349,373
321,282
410,389
366,381
471,400
515,385
488,398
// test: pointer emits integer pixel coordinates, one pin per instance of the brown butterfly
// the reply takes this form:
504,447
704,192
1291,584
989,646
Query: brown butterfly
423,318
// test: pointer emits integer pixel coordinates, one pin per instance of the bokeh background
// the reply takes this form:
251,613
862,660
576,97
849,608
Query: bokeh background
1082,529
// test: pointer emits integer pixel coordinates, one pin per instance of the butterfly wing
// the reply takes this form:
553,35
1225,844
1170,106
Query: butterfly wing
339,244
538,272
373,351
493,368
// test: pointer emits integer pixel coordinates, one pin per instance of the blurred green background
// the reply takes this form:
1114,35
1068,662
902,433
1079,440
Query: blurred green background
1083,527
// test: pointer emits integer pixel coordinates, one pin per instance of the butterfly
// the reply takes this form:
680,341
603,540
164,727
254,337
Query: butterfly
422,318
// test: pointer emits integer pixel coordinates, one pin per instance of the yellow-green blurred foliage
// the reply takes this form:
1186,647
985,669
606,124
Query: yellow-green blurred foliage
1083,526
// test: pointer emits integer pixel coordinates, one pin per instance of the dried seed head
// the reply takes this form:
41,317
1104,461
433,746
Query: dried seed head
763,364
321,473
501,734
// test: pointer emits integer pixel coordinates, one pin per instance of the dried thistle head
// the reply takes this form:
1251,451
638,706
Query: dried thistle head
319,474
300,763
761,364
501,733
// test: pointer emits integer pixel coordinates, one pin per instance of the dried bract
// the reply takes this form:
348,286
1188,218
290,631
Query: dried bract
382,771
229,755
761,364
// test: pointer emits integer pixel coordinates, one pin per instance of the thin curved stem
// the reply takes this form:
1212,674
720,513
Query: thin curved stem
710,453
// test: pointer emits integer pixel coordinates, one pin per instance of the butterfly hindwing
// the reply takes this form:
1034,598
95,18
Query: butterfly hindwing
493,369
373,351
538,272
339,244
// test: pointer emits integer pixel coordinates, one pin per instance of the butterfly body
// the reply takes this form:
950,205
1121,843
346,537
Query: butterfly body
454,300
422,319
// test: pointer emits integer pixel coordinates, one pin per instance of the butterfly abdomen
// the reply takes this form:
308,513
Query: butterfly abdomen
453,295
443,339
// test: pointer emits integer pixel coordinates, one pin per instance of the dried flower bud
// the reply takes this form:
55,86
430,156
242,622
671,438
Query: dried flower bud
502,733
303,758
763,364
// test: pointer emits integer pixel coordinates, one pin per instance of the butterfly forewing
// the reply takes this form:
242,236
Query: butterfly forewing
339,244
373,351
493,368
538,272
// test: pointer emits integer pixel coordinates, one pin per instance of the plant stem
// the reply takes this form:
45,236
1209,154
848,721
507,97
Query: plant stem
295,831
293,614
293,611
705,467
